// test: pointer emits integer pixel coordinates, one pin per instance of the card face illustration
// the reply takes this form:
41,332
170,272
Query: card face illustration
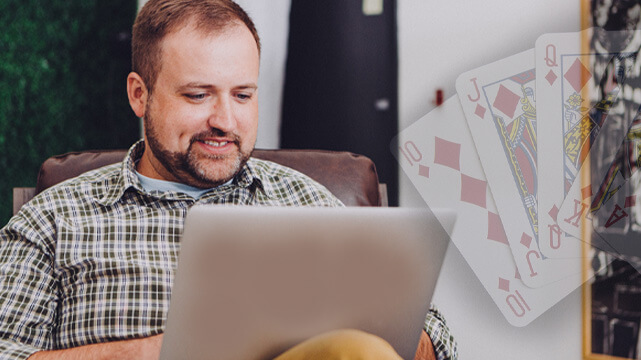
438,155
617,218
573,101
499,104
577,104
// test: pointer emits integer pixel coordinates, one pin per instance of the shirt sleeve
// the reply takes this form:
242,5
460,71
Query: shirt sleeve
444,344
28,289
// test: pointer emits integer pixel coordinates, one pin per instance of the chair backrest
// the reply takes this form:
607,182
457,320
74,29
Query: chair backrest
351,177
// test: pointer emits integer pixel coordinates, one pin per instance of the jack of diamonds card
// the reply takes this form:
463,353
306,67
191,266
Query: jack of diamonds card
499,103
438,155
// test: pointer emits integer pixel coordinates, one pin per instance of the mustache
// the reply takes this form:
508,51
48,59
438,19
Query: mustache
215,133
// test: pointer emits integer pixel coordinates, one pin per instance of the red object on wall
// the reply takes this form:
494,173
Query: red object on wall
439,97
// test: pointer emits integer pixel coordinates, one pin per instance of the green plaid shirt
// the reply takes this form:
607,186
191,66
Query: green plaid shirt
92,259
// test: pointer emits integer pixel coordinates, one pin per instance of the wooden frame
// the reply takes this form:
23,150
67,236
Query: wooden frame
586,288
606,299
613,318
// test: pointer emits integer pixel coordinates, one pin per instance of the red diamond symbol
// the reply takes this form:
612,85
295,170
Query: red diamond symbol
630,201
447,153
526,240
577,75
506,101
551,77
554,212
495,229
424,171
504,284
473,191
586,192
480,111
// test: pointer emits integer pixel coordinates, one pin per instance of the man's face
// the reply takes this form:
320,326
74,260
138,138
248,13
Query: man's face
202,116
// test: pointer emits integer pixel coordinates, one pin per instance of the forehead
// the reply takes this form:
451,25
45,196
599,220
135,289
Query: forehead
229,52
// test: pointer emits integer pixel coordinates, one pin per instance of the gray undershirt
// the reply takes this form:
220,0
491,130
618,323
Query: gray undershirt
150,184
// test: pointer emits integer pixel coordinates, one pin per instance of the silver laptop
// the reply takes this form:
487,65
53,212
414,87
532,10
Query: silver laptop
254,281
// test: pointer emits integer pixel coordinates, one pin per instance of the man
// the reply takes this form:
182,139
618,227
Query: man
86,267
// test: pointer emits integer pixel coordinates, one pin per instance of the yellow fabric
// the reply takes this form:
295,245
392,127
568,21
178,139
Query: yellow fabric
342,345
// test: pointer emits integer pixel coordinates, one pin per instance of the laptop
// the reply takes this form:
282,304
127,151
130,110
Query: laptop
253,282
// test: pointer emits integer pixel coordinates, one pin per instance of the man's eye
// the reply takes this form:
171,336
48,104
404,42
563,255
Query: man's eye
196,96
244,96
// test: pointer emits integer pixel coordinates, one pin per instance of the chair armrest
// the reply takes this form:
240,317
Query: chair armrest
382,191
21,196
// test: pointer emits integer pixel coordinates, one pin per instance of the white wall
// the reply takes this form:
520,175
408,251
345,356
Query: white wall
438,40
271,18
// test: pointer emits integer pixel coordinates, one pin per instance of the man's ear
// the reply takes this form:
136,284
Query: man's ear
137,93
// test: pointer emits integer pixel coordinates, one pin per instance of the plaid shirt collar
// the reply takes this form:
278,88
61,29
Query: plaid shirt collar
248,176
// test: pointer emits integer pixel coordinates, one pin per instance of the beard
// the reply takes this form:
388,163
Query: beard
195,168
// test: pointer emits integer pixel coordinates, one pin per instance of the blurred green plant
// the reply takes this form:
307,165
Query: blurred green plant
63,69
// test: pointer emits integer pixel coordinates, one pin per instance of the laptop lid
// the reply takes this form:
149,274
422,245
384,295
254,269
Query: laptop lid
254,281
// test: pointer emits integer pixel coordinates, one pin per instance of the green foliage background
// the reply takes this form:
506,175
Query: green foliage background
63,68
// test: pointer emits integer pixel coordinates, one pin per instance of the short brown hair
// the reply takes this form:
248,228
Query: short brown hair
157,18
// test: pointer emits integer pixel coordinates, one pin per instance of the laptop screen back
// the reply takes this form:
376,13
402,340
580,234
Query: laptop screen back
254,281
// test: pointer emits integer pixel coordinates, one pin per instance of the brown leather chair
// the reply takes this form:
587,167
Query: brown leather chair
351,177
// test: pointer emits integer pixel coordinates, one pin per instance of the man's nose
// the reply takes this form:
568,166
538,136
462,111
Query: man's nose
222,115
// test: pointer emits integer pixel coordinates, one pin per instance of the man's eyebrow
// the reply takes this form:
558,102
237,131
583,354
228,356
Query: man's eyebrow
251,86
195,85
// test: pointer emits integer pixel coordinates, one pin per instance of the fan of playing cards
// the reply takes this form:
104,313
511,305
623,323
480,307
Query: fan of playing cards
533,149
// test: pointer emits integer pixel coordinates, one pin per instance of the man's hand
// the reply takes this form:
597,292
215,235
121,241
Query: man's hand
138,349
425,349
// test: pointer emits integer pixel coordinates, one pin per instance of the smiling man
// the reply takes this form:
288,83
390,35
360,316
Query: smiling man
202,115
86,267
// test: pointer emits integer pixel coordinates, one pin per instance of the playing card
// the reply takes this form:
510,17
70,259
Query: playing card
438,155
615,210
613,203
619,225
569,121
591,76
498,101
